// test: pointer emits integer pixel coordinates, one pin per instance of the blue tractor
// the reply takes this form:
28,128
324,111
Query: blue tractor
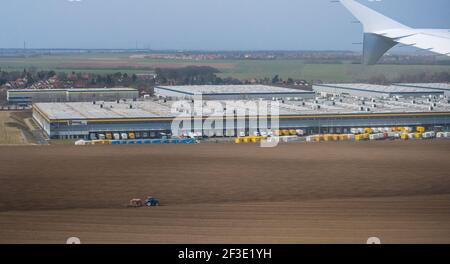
151,201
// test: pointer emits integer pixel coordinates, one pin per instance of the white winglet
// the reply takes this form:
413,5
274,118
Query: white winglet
381,33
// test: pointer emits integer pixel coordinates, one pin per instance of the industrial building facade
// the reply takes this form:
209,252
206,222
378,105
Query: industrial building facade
67,129
29,96
230,92
150,118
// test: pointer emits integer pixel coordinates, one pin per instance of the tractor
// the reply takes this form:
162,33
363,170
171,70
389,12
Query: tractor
151,201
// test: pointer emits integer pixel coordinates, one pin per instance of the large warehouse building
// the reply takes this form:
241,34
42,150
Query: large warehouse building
376,91
29,96
230,92
317,115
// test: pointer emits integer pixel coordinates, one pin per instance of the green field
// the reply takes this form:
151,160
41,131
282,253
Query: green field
240,69
324,72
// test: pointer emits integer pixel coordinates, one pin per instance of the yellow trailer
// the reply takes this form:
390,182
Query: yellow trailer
285,132
368,130
255,139
362,137
343,137
100,142
277,132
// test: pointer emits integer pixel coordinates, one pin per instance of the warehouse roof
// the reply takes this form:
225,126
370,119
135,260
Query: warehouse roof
160,109
232,89
385,89
71,90
100,110
433,86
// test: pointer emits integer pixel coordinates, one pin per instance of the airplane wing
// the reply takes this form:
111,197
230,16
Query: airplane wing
428,39
381,33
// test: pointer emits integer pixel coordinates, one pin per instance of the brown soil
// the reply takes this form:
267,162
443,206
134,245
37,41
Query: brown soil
295,193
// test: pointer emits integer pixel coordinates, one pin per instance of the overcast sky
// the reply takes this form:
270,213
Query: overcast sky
201,24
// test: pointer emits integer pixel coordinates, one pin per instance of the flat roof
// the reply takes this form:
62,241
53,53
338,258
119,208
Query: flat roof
385,89
71,90
37,90
87,110
159,109
232,89
432,86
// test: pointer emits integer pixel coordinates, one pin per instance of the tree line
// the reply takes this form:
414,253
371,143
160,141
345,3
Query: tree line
190,75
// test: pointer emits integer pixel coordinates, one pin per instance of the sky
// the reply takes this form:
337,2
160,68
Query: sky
201,24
